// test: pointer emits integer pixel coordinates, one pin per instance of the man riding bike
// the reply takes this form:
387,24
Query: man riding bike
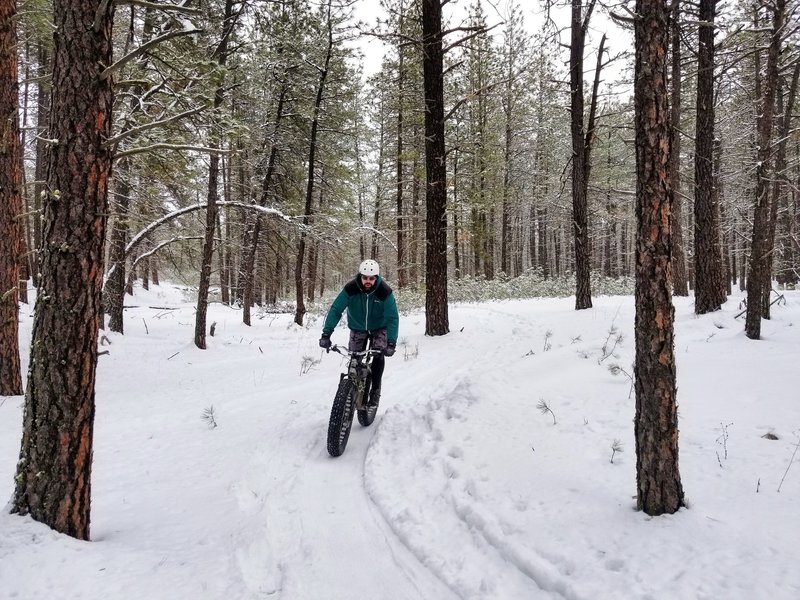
371,315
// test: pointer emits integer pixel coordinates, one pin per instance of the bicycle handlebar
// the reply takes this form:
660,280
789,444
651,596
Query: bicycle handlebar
345,352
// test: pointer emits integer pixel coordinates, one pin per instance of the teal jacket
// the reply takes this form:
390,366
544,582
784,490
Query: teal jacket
365,311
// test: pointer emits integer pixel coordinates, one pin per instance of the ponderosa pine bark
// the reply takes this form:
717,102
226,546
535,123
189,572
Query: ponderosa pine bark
658,480
436,309
760,250
680,281
10,204
582,139
781,207
709,285
53,480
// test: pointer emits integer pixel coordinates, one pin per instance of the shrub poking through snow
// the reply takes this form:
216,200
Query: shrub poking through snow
209,417
544,408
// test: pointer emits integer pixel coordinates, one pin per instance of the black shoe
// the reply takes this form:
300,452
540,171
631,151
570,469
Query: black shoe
374,397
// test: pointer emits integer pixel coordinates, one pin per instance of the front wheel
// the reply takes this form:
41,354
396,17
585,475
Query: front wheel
341,417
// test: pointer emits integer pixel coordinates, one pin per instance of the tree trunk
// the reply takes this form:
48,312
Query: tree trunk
780,200
679,279
251,247
413,220
436,309
212,197
246,218
26,266
719,197
709,290
456,230
54,471
486,216
40,168
114,292
540,191
362,240
208,247
10,204
779,179
656,423
376,214
505,235
208,250
300,309
314,251
223,235
760,251
580,156
402,268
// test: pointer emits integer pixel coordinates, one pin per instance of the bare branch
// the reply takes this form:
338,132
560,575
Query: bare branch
588,16
469,37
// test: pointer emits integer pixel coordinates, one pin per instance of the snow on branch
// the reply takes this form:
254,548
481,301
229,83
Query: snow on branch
137,239
161,245
376,232
144,48
163,6
153,147
134,130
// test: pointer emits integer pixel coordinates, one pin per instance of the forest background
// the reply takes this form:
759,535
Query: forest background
239,147
288,122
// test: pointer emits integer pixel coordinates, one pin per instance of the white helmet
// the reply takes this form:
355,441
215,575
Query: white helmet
369,267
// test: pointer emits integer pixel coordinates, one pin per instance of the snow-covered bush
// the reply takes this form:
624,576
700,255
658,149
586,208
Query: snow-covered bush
531,284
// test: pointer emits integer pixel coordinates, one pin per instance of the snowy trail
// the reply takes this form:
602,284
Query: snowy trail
282,485
486,566
357,516
462,488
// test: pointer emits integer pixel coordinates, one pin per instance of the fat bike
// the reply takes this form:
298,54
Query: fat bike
352,397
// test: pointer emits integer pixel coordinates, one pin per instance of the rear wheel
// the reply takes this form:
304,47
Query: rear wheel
367,414
341,417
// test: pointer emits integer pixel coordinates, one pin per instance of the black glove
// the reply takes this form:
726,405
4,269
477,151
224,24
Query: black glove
390,348
325,341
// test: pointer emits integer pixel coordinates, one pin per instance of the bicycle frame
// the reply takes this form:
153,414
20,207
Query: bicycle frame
351,398
359,369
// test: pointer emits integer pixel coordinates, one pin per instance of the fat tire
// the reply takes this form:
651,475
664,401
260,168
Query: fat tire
341,417
367,414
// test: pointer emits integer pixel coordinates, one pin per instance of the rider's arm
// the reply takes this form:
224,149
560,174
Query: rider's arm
392,319
335,313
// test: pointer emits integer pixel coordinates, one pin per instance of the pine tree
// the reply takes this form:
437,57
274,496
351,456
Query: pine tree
53,480
10,204
656,421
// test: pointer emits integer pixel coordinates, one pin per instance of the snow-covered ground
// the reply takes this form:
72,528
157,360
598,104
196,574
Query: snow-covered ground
462,488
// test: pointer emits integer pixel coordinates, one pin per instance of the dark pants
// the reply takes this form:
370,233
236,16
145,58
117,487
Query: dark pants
378,341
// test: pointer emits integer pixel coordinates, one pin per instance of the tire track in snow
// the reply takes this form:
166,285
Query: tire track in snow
292,531
414,476
293,534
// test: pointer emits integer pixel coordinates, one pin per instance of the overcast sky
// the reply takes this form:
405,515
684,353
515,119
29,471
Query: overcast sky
496,12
